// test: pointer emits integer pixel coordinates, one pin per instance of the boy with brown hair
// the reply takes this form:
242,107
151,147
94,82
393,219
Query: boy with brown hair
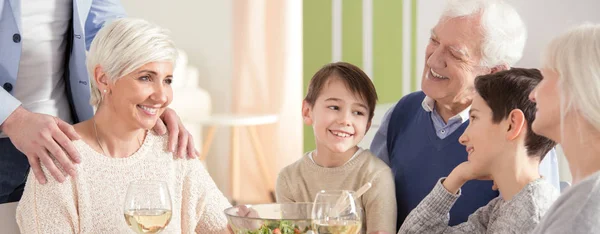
501,147
339,105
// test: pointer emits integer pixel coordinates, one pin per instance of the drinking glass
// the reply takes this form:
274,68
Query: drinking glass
147,206
336,211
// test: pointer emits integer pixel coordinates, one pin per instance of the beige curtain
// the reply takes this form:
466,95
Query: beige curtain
267,79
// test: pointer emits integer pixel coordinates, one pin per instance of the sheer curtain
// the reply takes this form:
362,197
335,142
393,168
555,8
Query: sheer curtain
267,79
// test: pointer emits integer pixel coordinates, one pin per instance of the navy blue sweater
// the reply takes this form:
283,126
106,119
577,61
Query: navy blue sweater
419,158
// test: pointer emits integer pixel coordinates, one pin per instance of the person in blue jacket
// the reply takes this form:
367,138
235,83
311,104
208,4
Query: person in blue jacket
44,87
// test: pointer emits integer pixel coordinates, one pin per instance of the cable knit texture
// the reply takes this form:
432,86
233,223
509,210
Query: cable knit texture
518,215
93,201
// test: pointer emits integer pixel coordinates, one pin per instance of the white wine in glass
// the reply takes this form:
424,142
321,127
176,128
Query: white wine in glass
337,227
148,206
336,212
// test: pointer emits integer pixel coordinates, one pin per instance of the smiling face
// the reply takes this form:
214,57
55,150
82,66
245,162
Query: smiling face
452,59
484,140
140,97
339,117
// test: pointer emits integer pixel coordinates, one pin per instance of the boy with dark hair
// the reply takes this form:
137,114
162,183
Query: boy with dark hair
501,147
339,105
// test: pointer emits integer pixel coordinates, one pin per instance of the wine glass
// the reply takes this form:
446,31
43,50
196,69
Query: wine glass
147,206
336,211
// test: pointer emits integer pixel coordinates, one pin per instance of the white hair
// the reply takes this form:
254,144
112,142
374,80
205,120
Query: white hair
575,56
504,33
125,45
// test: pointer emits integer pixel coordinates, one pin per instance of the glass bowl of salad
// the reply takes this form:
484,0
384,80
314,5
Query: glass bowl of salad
277,218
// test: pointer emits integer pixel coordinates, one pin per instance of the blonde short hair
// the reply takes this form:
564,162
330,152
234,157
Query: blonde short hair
125,45
575,56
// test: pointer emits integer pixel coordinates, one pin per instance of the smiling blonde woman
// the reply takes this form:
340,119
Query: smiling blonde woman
131,62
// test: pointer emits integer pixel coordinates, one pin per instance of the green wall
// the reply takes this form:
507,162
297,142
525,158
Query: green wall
388,64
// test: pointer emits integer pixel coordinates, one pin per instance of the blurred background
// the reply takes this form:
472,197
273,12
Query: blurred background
246,64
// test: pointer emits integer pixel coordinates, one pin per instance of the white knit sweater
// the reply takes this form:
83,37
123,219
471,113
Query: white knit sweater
93,201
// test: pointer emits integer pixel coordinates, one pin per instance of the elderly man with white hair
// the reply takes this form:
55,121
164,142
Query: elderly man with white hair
131,65
419,135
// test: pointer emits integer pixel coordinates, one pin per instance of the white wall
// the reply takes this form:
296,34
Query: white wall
548,18
203,29
544,19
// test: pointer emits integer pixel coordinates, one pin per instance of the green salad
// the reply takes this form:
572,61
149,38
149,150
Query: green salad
278,227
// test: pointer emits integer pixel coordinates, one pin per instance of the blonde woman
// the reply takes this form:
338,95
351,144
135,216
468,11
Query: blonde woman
568,103
131,63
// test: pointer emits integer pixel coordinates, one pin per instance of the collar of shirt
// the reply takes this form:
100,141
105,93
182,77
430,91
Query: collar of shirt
443,129
428,105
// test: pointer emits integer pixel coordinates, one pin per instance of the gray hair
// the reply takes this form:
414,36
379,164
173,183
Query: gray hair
504,33
125,45
575,56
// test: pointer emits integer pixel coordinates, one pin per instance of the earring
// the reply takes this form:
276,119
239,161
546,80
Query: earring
102,96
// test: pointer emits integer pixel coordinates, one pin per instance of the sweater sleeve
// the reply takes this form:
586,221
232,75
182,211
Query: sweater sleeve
283,194
380,203
48,208
202,203
432,215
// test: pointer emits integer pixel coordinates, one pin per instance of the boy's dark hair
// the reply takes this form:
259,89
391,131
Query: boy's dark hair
352,76
508,90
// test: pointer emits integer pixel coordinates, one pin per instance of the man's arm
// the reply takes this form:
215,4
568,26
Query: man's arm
101,12
9,104
379,143
39,136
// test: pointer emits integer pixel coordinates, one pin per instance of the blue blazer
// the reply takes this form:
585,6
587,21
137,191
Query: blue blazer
88,17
